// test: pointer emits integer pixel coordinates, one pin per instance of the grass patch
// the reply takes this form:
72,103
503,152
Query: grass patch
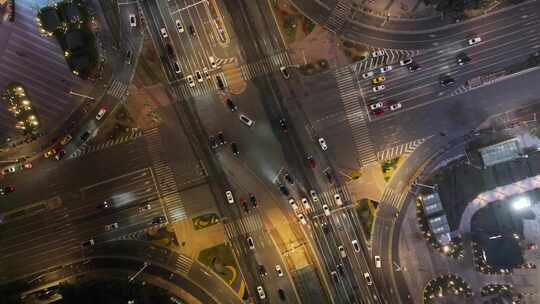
366,216
308,26
205,220
221,260
388,167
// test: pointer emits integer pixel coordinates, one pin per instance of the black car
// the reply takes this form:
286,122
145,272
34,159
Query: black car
325,227
170,50
220,139
462,59
340,270
283,125
129,56
283,189
253,200
6,190
329,176
414,67
159,220
447,81
281,294
245,206
60,154
231,105
288,178
220,82
191,30
234,148
85,136
262,270
212,141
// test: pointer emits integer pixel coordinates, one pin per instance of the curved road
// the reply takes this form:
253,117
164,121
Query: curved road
404,34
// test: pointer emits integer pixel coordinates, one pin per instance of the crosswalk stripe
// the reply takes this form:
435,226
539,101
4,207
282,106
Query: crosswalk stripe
403,149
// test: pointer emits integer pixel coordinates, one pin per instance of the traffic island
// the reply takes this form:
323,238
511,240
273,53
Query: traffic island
221,260
205,220
446,286
501,293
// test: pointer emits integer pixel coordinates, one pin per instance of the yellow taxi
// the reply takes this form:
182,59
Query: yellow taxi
378,79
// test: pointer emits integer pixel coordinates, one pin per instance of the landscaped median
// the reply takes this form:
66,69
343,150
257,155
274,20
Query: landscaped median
221,260
446,285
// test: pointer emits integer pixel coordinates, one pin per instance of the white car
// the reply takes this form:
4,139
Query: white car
164,33
378,53
314,196
101,113
293,204
132,20
356,246
368,278
305,202
212,62
377,261
368,75
385,69
322,142
396,106
405,61
375,106
205,72
179,26
144,208
246,120
251,245
177,69
302,219
190,81
199,76
475,40
342,252
338,200
279,271
378,88
230,197
284,72
326,210
111,226
260,290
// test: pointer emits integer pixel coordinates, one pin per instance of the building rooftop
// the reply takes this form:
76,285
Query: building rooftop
500,152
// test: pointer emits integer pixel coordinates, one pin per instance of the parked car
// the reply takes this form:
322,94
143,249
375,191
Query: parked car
293,204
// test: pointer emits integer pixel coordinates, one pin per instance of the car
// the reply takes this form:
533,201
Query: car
368,278
311,161
212,62
177,69
144,208
29,165
6,190
104,205
378,79
314,196
378,112
246,120
284,72
462,59
355,245
88,243
326,210
111,226
198,75
396,106
377,261
50,153
325,227
85,136
339,268
65,140
334,276
179,26
279,271
190,81
302,219
376,105
220,138
414,67
293,203
250,243
305,203
9,170
221,83
159,220
205,72
129,57
378,88
406,61
329,176
338,200
60,155
234,149
283,189
244,206
447,81
101,113
231,105
474,40
163,32
288,178
170,50
322,143
385,69
192,30
230,197
132,20
253,200
281,294
261,293
342,251
377,53
262,270
368,74
283,125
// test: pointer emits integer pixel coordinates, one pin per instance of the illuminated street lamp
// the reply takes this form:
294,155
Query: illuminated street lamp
521,203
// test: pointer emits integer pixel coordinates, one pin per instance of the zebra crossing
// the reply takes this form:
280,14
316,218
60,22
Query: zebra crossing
460,90
265,66
164,178
85,149
223,61
339,15
392,198
355,115
406,148
117,89
183,264
208,86
390,56
327,197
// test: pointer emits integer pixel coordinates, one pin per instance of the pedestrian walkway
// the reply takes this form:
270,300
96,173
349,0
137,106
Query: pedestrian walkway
266,65
390,197
356,116
164,178
327,197
339,16
403,149
85,149
117,89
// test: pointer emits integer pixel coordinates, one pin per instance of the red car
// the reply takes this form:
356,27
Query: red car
311,161
378,112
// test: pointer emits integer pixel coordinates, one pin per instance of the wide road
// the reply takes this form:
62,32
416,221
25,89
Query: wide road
404,35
